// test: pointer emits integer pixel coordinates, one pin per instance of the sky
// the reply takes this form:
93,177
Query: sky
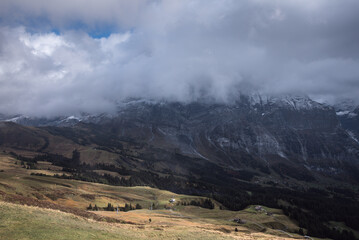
64,57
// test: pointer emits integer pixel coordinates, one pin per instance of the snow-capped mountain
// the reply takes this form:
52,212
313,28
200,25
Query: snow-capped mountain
289,135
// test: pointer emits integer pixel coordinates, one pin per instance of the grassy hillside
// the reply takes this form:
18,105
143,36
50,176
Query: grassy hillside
24,222
56,209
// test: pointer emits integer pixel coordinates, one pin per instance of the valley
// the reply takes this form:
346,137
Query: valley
40,207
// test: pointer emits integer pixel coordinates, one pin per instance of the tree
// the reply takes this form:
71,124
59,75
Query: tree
127,208
75,158
208,204
109,207
89,207
138,206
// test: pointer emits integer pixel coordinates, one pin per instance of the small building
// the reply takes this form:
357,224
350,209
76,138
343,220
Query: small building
172,200
258,208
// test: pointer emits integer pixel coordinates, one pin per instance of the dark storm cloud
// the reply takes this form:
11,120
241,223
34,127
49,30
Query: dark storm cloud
176,50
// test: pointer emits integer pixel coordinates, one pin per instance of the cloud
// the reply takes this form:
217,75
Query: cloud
176,50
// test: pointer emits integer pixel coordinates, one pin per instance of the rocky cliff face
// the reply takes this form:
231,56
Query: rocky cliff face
348,115
290,136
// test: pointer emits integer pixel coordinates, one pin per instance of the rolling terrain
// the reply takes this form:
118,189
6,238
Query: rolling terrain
42,207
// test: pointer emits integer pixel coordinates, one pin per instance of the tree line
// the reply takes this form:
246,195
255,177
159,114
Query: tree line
110,207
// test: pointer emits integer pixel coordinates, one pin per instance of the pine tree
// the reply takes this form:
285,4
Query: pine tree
110,207
127,207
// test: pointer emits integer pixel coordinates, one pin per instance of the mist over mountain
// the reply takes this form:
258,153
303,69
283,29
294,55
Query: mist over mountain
255,132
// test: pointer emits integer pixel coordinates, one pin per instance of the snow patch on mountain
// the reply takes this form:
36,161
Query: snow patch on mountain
352,136
17,119
346,113
294,102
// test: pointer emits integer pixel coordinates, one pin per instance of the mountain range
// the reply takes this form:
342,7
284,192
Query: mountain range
292,136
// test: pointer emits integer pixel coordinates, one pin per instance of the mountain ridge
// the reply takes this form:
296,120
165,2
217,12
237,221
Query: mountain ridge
255,131
291,153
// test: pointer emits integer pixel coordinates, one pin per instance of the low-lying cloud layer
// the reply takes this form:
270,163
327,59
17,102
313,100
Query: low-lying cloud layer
176,50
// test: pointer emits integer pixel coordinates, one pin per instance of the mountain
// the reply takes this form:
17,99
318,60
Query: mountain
39,122
275,151
291,136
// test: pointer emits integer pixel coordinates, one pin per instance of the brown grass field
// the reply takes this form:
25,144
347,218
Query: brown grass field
44,207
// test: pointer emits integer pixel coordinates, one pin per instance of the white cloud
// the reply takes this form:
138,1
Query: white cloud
42,45
177,50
